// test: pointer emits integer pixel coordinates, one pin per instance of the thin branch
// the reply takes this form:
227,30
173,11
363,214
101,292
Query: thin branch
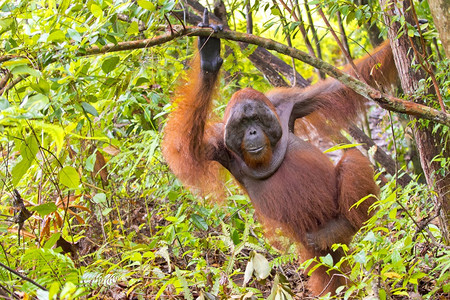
22,277
338,41
13,83
386,101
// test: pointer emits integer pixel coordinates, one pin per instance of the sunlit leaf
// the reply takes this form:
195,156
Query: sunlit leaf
69,177
44,209
133,28
96,10
52,240
56,35
23,69
146,4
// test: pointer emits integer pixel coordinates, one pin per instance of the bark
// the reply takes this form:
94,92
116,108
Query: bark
440,10
343,34
429,143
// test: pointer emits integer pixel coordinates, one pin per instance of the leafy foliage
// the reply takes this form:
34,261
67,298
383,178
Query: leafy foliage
88,206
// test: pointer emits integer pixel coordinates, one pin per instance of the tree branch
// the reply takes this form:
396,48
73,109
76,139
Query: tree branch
386,101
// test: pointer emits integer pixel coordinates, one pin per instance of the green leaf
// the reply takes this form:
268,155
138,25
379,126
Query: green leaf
199,222
382,294
15,62
69,177
56,35
74,35
146,4
28,151
4,104
52,240
29,148
55,131
90,162
45,209
393,214
106,211
96,10
99,198
89,109
110,64
327,260
23,69
235,237
41,86
360,257
133,28
35,103
19,170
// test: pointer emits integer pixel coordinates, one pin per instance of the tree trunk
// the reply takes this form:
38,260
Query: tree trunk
440,10
428,142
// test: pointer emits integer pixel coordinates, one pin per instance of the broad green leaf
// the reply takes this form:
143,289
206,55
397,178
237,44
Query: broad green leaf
28,151
199,222
327,260
52,240
69,177
110,64
133,28
23,69
396,256
35,103
146,4
106,211
15,62
4,104
89,109
41,86
90,162
44,86
5,24
184,284
55,131
99,198
74,35
136,256
44,209
393,214
29,148
19,170
235,237
382,294
56,35
96,10
360,257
